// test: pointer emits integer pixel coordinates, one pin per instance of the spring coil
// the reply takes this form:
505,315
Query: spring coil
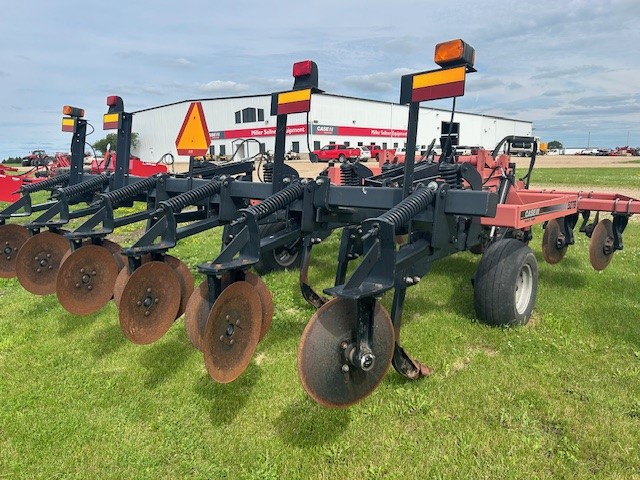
408,208
449,173
267,172
348,175
177,203
278,200
47,184
130,191
93,184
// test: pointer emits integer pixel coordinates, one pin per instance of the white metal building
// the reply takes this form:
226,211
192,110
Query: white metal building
333,119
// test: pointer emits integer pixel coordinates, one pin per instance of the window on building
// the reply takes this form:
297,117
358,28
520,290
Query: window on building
346,144
395,145
223,150
248,115
238,117
332,143
260,115
384,145
295,146
360,144
316,145
263,147
212,150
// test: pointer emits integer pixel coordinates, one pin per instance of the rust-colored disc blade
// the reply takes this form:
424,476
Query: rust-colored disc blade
121,279
149,302
86,279
118,286
39,260
196,314
325,373
114,249
550,251
232,332
197,311
185,278
12,238
266,300
601,246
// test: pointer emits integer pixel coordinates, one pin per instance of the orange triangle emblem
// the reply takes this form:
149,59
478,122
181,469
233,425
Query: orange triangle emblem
193,139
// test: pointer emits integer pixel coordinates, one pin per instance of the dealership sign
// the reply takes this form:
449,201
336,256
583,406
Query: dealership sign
315,130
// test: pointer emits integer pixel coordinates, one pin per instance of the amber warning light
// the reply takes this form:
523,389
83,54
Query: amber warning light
455,53
73,111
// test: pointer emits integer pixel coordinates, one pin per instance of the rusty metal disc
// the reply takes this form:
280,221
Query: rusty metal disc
85,280
197,311
266,300
39,260
185,278
12,238
196,314
149,302
118,286
121,279
601,247
232,332
326,375
114,249
550,251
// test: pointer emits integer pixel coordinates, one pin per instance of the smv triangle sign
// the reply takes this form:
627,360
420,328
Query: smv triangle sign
193,139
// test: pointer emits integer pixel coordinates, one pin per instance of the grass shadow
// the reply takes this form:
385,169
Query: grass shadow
305,424
70,324
163,360
228,400
107,341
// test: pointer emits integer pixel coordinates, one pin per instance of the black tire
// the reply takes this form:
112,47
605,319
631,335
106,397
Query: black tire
506,284
341,158
278,258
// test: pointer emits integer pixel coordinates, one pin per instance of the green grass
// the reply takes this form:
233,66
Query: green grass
558,398
591,177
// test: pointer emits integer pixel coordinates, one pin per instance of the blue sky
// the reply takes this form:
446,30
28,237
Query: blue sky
570,67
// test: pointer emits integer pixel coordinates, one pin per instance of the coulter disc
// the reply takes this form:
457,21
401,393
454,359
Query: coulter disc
197,312
601,246
149,302
39,260
324,371
266,300
185,278
12,238
550,251
86,279
232,332
114,249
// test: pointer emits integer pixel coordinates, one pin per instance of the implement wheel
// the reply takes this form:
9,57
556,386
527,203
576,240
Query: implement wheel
280,258
506,283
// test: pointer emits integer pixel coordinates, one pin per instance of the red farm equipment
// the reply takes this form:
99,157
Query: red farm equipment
395,223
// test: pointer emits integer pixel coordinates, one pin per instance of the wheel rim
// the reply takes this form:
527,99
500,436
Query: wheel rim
524,288
283,257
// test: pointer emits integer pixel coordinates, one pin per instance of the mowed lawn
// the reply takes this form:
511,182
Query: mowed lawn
555,399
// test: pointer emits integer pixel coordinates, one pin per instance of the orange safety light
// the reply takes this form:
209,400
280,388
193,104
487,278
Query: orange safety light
73,111
454,53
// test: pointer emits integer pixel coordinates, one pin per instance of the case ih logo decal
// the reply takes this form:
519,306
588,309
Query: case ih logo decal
532,213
